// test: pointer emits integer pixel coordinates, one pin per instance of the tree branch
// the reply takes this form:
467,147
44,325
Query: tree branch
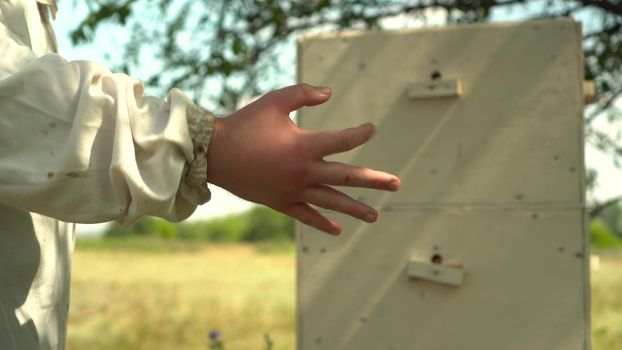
604,5
600,207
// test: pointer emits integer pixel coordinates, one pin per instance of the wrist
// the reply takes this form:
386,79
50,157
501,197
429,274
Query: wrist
215,152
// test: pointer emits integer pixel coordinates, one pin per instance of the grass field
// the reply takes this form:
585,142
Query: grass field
156,297
128,299
607,302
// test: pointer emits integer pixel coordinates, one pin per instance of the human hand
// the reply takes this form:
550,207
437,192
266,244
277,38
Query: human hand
260,155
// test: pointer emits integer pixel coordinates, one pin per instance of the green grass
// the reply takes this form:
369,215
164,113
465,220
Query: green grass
161,294
137,245
137,299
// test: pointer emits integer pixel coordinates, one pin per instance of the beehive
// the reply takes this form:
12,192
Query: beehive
485,245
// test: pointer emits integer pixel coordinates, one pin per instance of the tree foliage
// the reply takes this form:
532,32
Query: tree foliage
612,217
259,224
224,50
602,236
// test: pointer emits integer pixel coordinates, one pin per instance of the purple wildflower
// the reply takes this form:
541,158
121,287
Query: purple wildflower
214,334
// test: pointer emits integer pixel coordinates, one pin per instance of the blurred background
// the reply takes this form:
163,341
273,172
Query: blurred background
226,276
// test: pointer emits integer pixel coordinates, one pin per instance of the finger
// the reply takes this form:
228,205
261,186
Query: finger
329,198
300,95
309,216
339,174
337,141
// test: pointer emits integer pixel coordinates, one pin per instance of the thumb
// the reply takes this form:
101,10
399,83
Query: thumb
300,95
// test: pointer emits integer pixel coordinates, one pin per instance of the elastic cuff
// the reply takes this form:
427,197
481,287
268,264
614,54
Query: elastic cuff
200,124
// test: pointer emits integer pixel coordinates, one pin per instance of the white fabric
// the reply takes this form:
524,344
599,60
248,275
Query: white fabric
51,4
79,144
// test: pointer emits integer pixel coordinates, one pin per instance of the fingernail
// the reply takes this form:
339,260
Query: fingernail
323,90
335,229
370,217
367,125
394,185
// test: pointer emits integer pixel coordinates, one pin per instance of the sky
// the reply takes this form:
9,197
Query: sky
223,203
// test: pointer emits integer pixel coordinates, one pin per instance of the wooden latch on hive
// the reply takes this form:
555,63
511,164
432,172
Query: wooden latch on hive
434,272
435,88
589,92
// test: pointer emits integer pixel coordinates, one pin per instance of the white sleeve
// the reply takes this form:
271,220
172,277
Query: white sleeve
82,144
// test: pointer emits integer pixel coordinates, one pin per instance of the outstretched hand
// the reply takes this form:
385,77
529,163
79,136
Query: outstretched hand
260,155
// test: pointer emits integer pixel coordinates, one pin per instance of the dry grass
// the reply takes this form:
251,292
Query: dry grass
607,303
170,300
138,300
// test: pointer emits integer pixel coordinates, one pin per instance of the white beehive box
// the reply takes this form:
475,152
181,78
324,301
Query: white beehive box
483,123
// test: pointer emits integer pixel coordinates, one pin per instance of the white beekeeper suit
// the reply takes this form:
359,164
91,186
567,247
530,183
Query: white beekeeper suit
78,144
